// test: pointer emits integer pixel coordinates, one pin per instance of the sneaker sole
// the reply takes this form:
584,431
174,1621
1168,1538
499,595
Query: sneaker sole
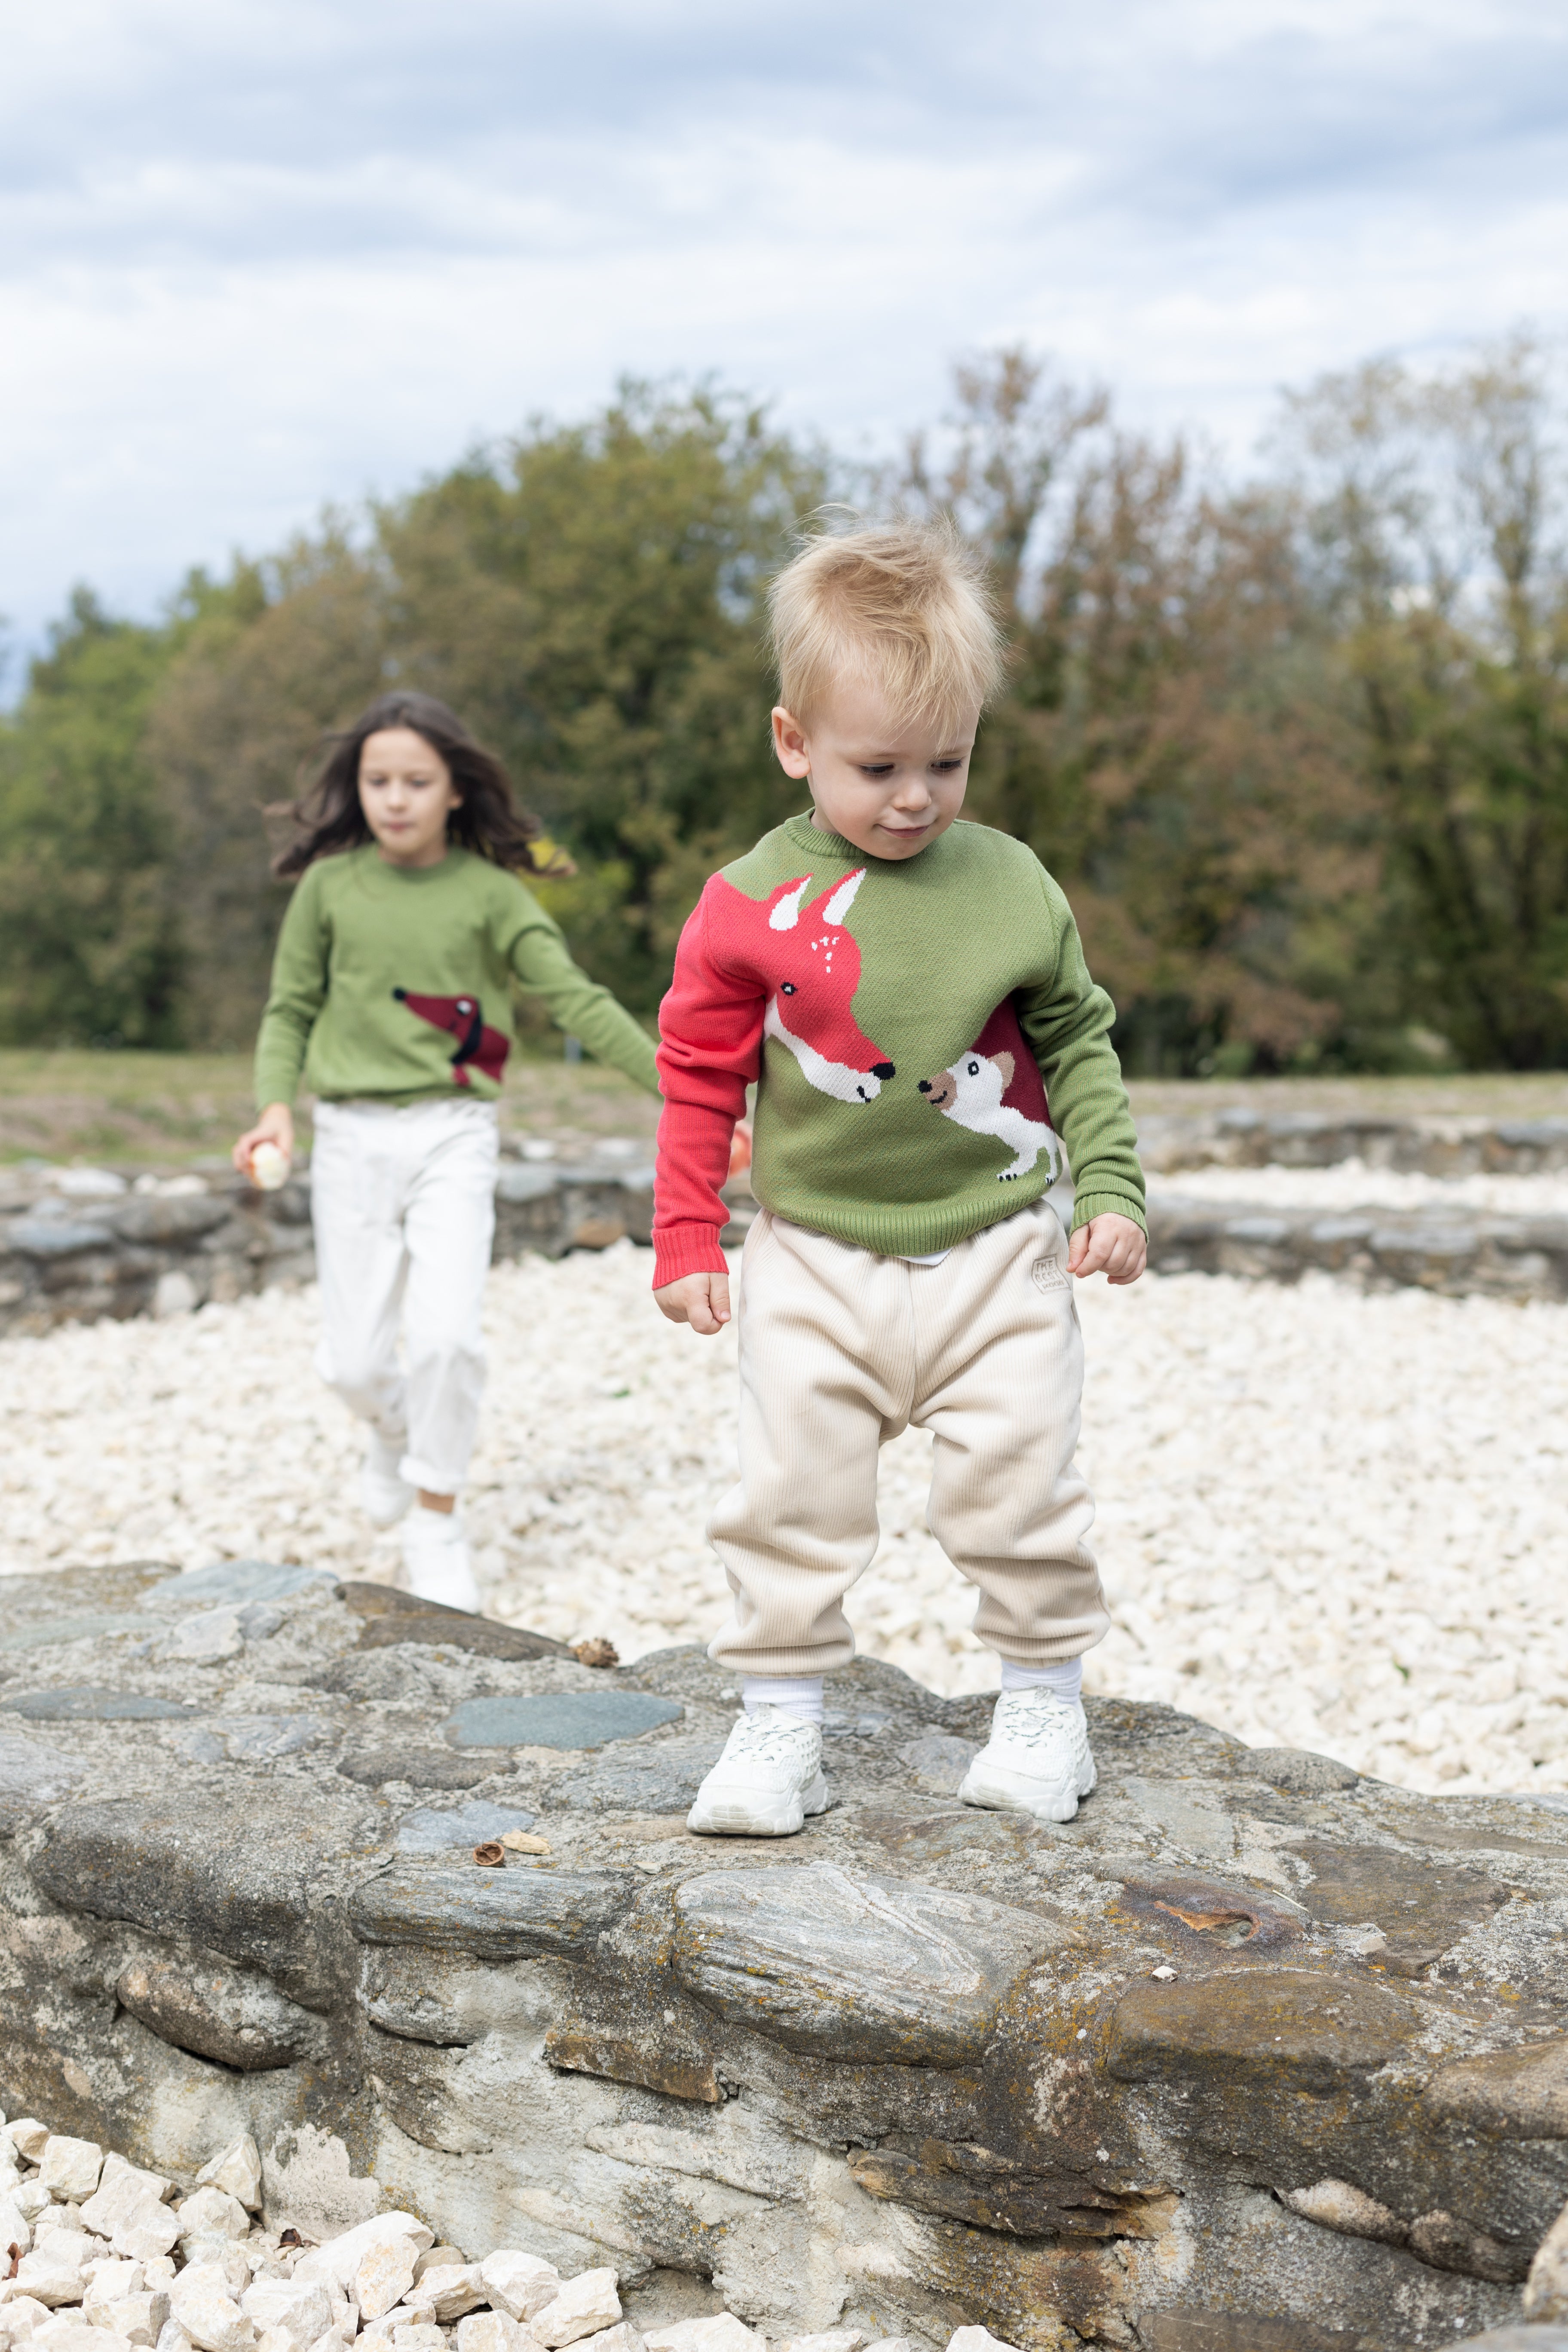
744,1812
996,1790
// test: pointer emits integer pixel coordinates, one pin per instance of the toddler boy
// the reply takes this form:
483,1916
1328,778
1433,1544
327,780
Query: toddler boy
906,990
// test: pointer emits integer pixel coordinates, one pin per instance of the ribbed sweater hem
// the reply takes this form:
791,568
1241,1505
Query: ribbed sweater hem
899,1229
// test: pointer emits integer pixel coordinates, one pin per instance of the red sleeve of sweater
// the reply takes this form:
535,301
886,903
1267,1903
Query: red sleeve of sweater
710,1034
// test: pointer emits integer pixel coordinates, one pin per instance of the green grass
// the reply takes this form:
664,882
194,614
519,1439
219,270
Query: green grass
135,1109
166,1109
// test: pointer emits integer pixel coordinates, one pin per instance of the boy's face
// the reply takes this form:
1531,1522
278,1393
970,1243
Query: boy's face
888,785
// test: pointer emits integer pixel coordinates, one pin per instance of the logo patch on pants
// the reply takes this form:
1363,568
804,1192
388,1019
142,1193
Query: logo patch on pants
1048,1274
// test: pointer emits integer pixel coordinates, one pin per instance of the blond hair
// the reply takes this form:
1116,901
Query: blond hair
902,606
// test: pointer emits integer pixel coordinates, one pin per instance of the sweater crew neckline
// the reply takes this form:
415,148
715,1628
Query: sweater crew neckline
455,859
821,843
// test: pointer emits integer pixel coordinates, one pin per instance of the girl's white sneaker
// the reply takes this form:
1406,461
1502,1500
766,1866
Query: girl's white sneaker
436,1560
383,1491
1037,1759
766,1782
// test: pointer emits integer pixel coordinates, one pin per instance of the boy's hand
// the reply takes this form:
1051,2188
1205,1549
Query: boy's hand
276,1125
700,1299
1111,1244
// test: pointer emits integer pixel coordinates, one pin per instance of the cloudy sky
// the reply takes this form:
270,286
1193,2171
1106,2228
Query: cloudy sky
256,254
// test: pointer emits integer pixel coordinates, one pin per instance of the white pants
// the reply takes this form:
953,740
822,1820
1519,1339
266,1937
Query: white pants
403,1206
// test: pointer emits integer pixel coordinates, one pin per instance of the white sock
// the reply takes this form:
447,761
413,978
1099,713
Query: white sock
1065,1677
794,1694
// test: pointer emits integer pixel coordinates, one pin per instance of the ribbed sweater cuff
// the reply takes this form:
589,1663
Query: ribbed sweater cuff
1106,1205
681,1250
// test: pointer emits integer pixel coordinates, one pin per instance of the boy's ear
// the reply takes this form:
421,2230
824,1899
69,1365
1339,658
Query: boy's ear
790,746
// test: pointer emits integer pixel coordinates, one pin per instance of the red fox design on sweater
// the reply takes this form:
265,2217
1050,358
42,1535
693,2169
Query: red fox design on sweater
463,1018
996,1089
811,967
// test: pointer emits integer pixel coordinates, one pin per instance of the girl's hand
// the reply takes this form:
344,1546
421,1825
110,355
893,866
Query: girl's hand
700,1299
1109,1243
276,1125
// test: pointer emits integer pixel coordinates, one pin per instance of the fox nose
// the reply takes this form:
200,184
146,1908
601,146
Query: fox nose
924,1084
882,1070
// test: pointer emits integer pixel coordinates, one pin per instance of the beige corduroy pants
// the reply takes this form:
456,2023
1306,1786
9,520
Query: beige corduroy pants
841,1350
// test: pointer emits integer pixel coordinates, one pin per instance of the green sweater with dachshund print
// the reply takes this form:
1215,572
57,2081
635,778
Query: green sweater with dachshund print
394,984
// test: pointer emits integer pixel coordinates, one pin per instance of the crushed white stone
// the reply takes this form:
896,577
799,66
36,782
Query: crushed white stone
251,2292
1326,1520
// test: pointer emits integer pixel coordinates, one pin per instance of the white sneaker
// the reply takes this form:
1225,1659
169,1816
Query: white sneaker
766,1782
1037,1759
384,1492
436,1559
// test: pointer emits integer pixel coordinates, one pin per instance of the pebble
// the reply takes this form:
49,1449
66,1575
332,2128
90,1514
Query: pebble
300,2310
450,2292
519,2285
200,2303
68,2335
492,2331
723,2333
584,2306
212,2213
238,2170
383,2276
69,2168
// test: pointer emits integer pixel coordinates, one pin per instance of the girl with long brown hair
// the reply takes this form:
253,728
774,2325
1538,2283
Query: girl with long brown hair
392,995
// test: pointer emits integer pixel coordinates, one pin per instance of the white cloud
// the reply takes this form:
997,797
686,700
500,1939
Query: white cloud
253,256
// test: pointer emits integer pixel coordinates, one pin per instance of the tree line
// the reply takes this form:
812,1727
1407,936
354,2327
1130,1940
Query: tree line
1296,746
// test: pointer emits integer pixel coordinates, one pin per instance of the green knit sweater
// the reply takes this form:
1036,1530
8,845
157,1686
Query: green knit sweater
906,1022
394,984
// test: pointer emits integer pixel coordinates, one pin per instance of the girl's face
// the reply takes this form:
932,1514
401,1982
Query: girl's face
407,791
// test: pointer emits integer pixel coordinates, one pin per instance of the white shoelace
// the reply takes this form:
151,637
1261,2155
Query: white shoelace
1035,1719
769,1738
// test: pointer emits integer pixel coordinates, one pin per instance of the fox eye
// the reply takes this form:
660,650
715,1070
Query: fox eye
974,1069
786,988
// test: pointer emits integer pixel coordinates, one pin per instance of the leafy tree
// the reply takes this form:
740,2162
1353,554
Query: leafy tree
88,953
1297,750
1431,511
587,596
1155,749
285,649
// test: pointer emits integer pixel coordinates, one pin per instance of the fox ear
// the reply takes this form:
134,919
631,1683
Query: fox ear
834,908
785,914
1006,1065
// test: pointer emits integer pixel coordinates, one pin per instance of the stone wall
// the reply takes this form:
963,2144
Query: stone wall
1452,1251
78,1245
1251,2053
1243,1138
164,1246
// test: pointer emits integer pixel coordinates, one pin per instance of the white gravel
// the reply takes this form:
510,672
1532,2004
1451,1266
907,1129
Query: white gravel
1328,1520
1350,1184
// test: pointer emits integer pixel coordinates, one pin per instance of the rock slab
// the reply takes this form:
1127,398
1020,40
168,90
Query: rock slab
1254,2053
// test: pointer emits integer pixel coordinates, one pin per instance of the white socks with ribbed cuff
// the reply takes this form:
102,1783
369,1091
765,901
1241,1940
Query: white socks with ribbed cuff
1064,1678
801,1694
797,1694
